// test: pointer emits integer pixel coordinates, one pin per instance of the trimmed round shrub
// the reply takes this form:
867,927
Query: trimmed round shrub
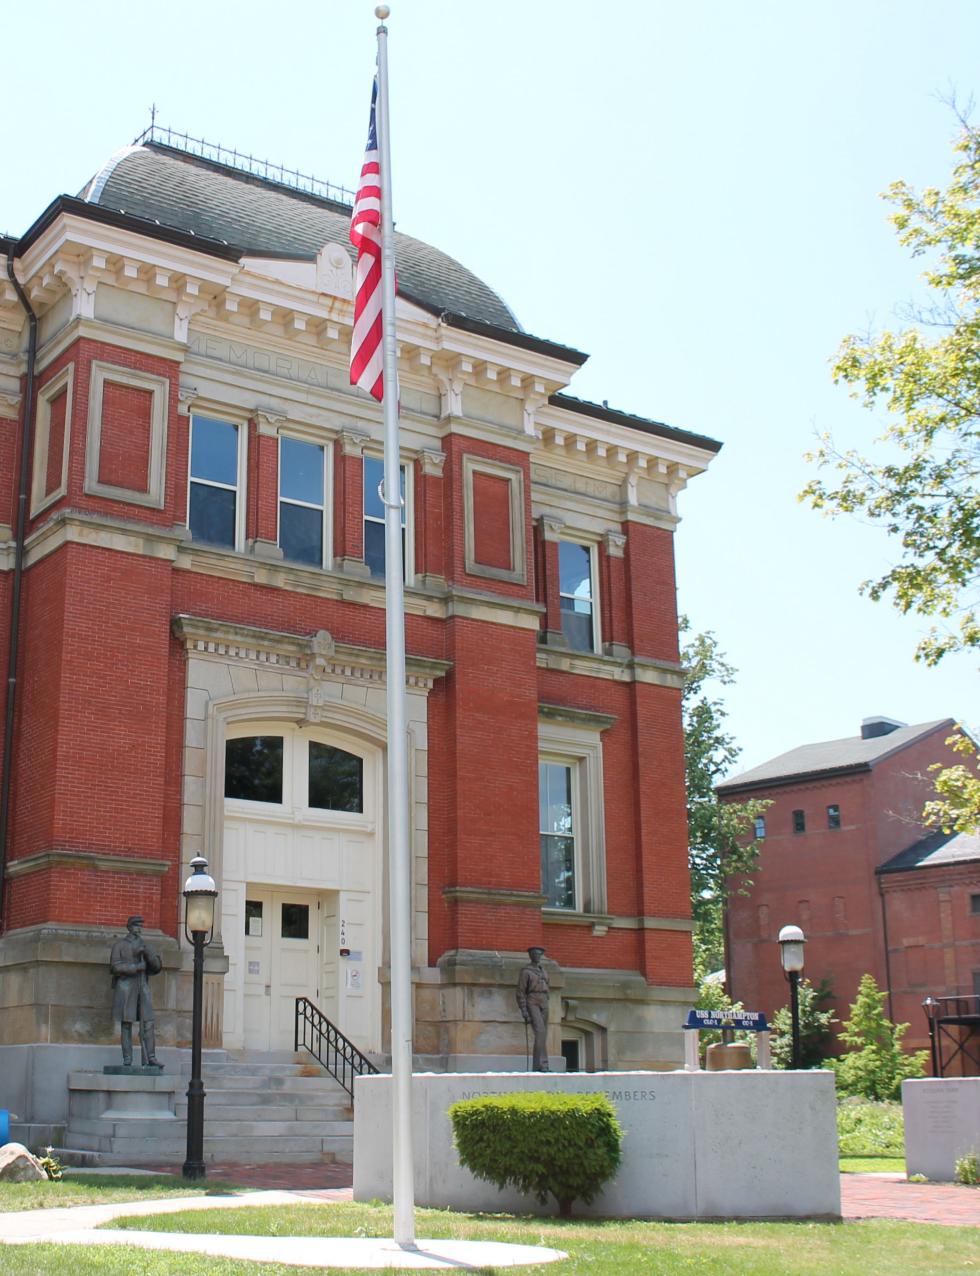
563,1145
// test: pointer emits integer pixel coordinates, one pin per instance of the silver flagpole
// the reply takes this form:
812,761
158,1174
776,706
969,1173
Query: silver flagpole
403,1183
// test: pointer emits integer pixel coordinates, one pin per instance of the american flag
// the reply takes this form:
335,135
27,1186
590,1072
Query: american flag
366,358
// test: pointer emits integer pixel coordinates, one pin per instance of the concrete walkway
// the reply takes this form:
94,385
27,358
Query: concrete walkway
77,1226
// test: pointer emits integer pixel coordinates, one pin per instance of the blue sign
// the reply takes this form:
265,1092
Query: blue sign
747,1020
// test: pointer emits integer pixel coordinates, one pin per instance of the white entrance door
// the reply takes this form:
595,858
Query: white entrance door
282,962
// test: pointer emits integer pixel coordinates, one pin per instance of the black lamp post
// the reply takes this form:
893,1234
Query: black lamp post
791,941
200,893
931,1007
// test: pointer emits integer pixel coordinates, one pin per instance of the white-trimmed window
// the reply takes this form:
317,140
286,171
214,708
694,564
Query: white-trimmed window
578,595
558,826
374,518
302,501
214,498
571,823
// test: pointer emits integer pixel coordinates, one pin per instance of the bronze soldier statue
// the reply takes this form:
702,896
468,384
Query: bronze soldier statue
132,962
532,999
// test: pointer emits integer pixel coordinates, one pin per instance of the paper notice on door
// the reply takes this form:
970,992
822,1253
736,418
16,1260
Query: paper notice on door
253,968
353,978
255,927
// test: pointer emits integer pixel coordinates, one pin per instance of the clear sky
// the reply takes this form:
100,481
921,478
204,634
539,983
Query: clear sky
689,192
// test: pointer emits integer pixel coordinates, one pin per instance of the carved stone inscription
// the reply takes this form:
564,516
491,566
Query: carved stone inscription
578,483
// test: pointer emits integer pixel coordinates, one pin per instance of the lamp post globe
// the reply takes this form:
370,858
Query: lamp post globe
791,941
200,893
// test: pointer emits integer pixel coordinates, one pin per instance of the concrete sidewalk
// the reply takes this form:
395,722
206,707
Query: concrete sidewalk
78,1226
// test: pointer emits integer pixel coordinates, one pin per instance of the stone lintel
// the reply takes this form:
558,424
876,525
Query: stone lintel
576,717
101,861
494,895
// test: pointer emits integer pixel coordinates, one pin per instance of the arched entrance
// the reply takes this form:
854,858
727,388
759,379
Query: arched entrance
300,881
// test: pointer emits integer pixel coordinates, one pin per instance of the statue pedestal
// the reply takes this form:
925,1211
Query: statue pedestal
125,1114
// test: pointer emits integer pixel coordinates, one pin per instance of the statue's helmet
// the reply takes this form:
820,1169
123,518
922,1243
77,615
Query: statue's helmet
135,920
533,950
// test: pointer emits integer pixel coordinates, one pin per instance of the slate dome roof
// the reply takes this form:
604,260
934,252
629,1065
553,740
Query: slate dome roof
263,218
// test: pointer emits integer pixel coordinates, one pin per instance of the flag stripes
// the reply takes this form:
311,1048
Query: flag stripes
366,356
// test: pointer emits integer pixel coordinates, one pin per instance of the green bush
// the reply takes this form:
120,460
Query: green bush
876,1065
563,1144
816,1027
870,1129
967,1170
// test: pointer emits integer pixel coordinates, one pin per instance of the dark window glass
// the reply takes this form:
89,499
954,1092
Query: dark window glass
214,451
575,590
833,817
295,921
253,768
300,471
557,834
760,826
336,779
253,918
374,548
799,822
212,514
301,533
975,903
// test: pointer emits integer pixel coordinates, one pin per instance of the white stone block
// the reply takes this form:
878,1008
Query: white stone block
697,1145
942,1124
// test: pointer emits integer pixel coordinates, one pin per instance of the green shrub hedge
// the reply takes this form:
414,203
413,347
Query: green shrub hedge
563,1144
870,1129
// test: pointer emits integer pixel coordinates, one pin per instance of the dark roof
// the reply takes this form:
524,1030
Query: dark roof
615,417
217,202
934,851
830,757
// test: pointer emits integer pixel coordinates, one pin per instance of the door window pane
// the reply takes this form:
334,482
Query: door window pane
253,768
336,779
253,918
295,921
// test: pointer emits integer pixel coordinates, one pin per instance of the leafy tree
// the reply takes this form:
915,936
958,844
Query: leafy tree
876,1065
816,1027
920,481
957,808
720,834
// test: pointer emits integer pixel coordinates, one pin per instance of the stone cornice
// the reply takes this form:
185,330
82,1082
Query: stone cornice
317,654
101,862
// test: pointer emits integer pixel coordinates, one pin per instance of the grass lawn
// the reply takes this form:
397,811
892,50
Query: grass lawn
872,1164
873,1248
101,1189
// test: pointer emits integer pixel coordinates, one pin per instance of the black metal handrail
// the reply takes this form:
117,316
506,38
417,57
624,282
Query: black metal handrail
328,1045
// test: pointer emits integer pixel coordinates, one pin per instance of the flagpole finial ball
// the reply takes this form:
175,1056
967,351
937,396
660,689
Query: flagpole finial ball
381,12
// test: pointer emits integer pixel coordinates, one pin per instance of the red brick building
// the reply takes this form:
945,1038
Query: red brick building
201,631
846,857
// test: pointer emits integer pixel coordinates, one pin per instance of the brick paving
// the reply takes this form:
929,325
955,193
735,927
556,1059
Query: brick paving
862,1195
891,1196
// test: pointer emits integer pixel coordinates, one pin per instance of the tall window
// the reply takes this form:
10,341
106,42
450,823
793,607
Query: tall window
374,516
558,832
799,822
301,503
575,586
833,816
760,826
213,498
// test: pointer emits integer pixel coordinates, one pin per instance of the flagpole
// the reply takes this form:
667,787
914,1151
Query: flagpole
403,1183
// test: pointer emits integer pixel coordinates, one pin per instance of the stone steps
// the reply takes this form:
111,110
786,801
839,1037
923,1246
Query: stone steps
267,1108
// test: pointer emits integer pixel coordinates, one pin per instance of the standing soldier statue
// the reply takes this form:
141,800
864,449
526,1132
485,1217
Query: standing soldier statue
132,962
532,999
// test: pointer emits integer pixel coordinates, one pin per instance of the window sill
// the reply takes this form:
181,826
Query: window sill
600,922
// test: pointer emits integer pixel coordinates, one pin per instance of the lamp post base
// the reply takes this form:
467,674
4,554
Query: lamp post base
194,1170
